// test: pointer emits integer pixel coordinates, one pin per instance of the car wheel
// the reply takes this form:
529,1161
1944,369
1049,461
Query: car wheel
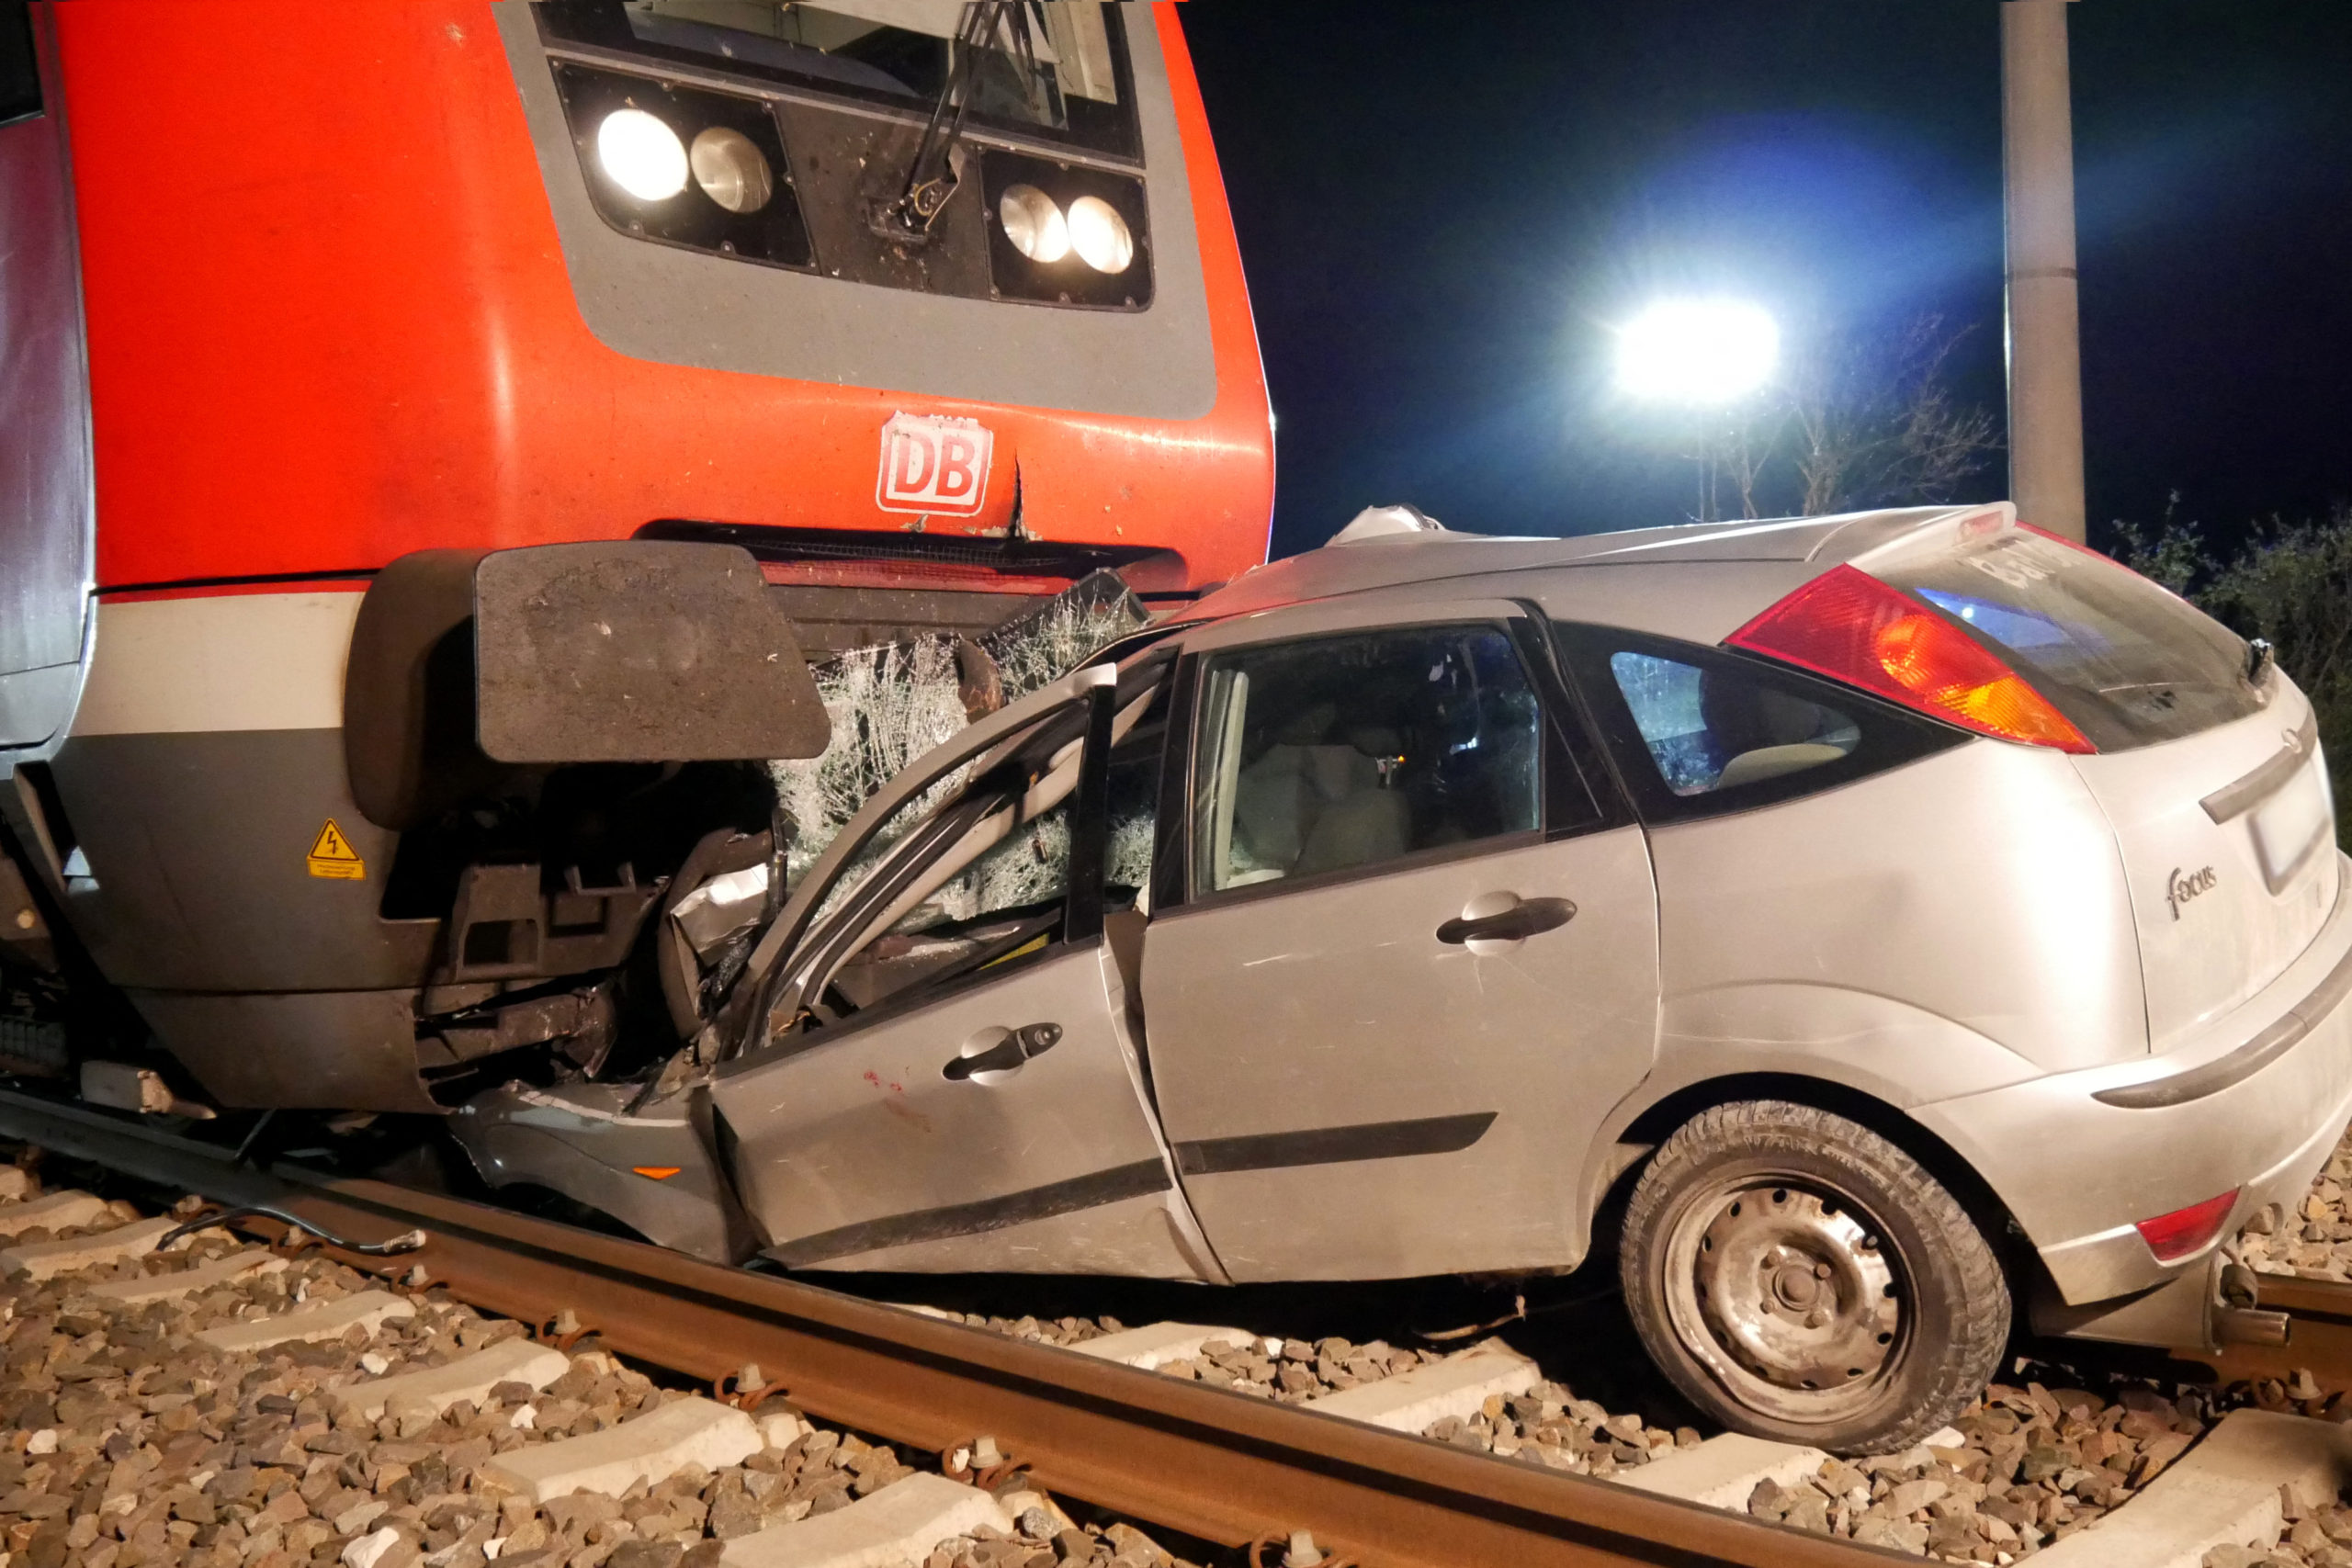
1801,1277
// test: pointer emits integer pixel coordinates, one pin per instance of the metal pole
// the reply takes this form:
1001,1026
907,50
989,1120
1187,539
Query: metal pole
2045,340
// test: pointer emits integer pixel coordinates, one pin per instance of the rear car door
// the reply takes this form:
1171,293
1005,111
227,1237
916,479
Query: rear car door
1405,960
957,1086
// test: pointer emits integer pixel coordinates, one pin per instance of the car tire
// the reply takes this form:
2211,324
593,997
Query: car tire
1801,1277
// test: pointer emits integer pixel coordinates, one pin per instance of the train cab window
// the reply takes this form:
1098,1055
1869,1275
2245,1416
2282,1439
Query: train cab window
761,153
19,71
1056,70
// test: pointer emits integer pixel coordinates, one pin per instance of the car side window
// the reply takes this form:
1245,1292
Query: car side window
1712,728
1132,819
1346,752
1010,899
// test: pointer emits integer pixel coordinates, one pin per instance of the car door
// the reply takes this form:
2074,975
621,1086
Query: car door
958,1084
1415,960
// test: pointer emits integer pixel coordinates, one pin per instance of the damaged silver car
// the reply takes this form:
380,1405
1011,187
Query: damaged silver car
1858,925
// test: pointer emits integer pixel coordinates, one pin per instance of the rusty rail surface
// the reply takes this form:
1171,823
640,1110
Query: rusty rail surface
1184,1456
2318,1335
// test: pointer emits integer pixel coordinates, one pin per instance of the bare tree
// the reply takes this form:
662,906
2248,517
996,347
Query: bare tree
1859,418
1748,446
1738,450
1875,424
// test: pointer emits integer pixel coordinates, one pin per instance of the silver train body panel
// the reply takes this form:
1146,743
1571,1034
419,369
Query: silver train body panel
47,510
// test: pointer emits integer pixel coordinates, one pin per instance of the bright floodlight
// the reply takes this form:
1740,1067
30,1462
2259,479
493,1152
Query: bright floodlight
1707,352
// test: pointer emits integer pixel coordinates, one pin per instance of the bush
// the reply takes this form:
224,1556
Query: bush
2290,584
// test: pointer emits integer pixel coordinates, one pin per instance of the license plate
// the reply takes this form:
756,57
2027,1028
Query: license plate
2290,825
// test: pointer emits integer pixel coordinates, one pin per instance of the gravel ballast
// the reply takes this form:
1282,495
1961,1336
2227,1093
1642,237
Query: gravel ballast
2315,1241
1290,1372
128,1443
2031,1461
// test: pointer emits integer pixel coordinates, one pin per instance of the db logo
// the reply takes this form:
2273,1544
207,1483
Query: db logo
930,463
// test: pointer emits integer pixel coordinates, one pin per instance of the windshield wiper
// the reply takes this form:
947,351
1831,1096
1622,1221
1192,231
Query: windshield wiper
933,174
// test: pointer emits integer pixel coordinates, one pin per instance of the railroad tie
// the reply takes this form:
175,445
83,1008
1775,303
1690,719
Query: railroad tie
57,1212
1722,1472
896,1524
1415,1401
469,1378
370,1310
1155,1343
649,1447
2223,1492
187,1281
47,1259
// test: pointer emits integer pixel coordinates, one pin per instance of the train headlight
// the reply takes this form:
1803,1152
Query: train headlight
1033,223
641,155
731,170
1100,235
1065,234
678,165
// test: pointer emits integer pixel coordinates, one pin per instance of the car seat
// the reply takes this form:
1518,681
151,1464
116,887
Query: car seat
1362,818
1764,733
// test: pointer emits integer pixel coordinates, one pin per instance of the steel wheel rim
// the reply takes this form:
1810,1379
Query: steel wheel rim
1791,1295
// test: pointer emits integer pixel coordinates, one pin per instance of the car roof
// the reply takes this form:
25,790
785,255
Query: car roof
1403,548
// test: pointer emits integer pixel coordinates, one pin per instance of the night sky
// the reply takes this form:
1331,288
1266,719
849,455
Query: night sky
1442,209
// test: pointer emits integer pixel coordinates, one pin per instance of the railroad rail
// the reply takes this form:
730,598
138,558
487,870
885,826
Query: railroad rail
2314,1334
1182,1456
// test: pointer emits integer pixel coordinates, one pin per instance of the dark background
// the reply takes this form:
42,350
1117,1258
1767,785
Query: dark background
1443,208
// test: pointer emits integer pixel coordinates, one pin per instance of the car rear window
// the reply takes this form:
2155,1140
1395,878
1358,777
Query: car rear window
1701,731
1710,728
2128,663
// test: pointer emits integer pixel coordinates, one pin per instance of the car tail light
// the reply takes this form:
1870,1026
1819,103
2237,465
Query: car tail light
2183,1231
1848,625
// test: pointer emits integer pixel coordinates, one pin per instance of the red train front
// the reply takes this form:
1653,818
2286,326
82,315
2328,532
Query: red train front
322,322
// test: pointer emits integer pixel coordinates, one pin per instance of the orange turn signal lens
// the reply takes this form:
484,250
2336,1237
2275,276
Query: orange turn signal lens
658,1172
1848,625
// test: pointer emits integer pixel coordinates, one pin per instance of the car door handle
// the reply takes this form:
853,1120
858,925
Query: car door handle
1029,1040
1517,923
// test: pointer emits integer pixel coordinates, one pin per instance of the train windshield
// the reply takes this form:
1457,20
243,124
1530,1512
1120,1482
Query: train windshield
1051,68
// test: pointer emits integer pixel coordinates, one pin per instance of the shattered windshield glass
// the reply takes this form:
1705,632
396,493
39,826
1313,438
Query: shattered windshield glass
1054,67
1030,867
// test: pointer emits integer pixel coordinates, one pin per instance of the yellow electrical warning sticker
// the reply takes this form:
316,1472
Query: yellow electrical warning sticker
332,856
